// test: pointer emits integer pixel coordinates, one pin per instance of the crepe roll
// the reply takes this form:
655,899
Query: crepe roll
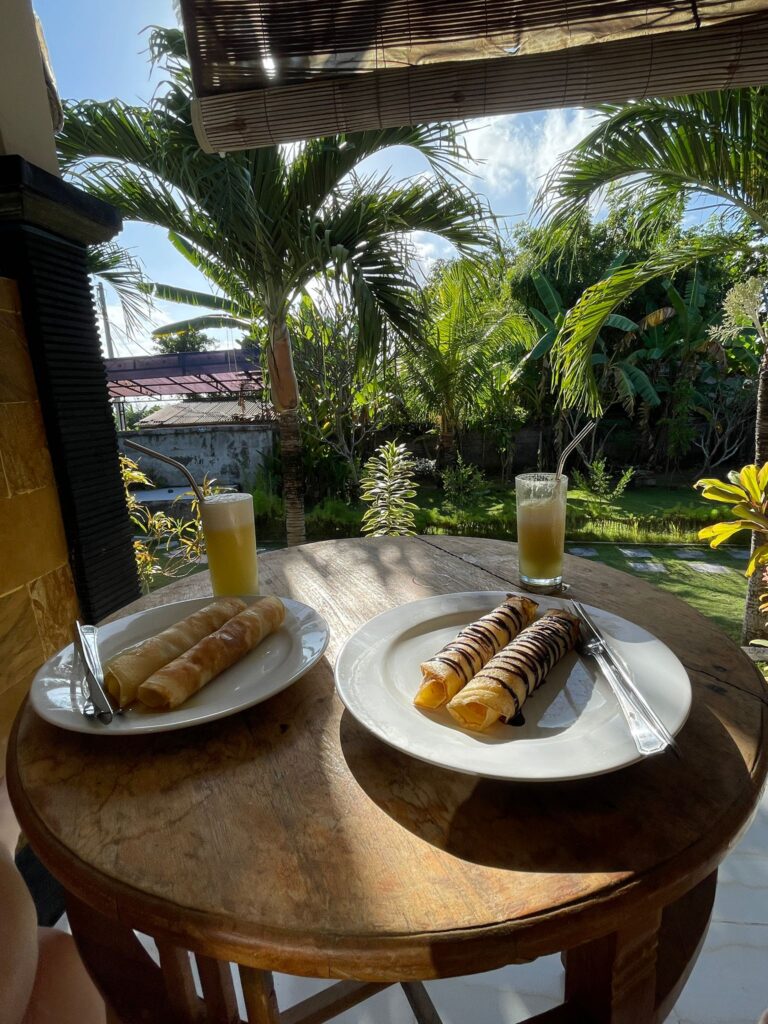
500,689
124,674
174,683
453,666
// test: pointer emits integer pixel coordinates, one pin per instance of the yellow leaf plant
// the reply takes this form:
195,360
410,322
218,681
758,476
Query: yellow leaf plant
745,492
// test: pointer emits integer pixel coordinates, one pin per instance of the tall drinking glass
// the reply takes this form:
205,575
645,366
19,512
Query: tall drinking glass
541,499
230,540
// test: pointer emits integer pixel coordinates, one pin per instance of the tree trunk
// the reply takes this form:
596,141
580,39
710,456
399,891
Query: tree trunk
754,627
446,447
293,477
285,397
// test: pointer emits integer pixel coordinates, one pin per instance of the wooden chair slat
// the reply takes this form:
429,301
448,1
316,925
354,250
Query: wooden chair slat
423,1008
180,984
218,991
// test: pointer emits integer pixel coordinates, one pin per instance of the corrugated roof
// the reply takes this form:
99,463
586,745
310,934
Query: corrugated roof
205,414
228,372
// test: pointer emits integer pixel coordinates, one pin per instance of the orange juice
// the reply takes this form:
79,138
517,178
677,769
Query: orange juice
541,500
540,539
230,540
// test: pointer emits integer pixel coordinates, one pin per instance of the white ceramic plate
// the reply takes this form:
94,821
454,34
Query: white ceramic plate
573,728
278,661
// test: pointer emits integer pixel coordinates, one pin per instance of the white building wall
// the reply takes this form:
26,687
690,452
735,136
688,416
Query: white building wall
232,453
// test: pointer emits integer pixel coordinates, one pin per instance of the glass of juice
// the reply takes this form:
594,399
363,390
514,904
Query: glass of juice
541,499
230,540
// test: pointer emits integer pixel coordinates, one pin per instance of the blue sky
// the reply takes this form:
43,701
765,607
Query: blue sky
98,51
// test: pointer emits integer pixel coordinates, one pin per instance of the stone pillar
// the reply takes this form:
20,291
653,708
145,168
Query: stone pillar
37,595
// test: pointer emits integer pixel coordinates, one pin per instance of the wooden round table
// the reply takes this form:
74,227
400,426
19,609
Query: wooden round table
287,838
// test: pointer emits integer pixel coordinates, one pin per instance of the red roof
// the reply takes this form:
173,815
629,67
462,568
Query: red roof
228,372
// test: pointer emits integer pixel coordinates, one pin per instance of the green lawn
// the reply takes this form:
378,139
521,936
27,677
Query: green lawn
653,515
721,597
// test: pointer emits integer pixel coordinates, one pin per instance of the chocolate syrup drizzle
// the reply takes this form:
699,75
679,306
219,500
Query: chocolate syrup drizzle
477,643
527,660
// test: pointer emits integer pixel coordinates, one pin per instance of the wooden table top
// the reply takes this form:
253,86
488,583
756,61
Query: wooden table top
288,838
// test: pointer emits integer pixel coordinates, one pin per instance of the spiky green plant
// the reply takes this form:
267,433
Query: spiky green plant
388,486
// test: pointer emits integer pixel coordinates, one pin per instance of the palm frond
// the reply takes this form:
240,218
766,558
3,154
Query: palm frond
574,345
319,166
666,149
172,293
208,321
262,224
124,273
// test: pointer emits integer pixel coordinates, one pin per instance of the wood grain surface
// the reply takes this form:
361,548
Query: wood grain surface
288,838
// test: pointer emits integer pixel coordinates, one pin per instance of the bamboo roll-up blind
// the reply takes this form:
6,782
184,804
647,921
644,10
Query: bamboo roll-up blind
269,71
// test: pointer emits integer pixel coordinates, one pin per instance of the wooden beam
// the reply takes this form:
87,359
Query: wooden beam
423,1008
330,1002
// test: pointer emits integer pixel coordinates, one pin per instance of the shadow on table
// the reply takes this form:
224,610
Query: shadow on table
628,820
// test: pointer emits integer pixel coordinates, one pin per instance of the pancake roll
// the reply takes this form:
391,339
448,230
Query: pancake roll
456,663
500,689
175,682
124,674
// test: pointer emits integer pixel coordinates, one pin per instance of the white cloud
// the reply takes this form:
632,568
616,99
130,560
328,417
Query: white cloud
518,151
427,250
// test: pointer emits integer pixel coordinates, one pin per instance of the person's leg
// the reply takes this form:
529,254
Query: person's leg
62,993
18,942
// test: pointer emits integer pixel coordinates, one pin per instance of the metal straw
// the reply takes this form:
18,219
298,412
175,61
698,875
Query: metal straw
171,462
577,440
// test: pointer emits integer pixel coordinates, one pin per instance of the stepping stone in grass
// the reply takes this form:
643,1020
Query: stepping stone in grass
648,566
738,553
583,552
688,553
636,552
710,569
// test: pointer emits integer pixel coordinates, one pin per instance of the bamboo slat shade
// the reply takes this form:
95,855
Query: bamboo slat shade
269,71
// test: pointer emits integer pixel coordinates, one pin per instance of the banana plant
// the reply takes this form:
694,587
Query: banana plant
747,494
618,374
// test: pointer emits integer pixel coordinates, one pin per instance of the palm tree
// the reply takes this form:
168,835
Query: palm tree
449,369
262,224
663,151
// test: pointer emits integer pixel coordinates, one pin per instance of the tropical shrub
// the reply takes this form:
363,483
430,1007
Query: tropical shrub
464,482
169,546
599,482
388,486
